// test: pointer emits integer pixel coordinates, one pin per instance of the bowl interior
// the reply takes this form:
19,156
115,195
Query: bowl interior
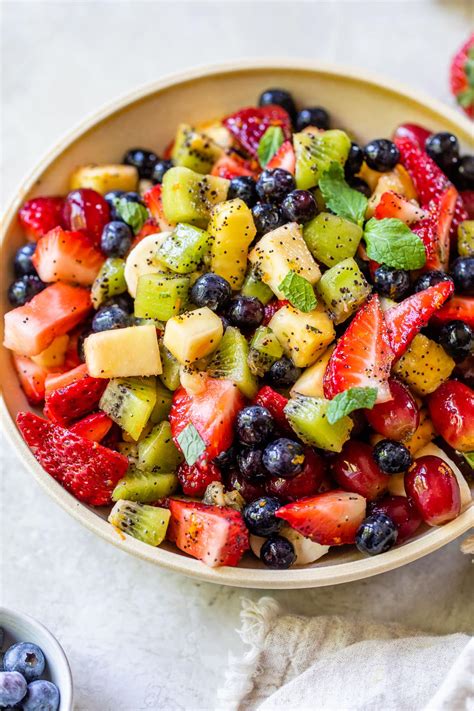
366,108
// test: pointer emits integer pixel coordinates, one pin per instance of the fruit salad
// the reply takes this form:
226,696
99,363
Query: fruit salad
259,340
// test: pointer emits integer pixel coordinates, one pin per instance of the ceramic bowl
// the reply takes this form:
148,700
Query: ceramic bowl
365,105
23,628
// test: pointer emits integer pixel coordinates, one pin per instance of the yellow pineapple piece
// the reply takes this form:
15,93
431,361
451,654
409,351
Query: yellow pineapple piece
424,365
311,381
193,335
123,352
397,181
232,229
424,433
54,355
303,336
104,178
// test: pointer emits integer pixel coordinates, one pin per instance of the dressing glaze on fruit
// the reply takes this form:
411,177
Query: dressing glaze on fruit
261,340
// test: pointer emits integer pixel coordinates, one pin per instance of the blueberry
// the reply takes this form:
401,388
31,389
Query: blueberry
123,301
430,279
465,173
361,186
22,264
284,458
381,155
391,282
12,689
278,553
462,271
254,425
283,373
116,239
443,148
160,169
278,97
23,290
299,206
392,457
259,516
110,199
211,290
245,312
26,658
225,460
273,185
250,463
110,317
267,217
376,534
457,339
313,116
132,197
245,188
142,159
354,160
41,696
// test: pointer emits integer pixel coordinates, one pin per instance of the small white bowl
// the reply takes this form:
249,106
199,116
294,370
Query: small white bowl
19,627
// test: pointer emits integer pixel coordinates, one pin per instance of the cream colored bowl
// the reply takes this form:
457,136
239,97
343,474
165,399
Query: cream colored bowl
369,108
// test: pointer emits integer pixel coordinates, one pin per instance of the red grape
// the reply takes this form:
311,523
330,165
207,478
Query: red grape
249,490
403,514
306,483
355,470
398,418
451,409
85,209
432,487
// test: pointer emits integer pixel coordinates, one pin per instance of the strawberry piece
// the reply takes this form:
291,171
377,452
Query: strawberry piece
306,483
94,427
275,404
231,167
434,229
153,201
462,76
40,215
331,519
32,378
54,381
31,328
84,468
72,359
362,356
149,228
467,197
406,319
459,307
212,412
67,256
393,205
214,534
74,400
195,479
248,125
85,209
403,514
271,308
415,133
284,158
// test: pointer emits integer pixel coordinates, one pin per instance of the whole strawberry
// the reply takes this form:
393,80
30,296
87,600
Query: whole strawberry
462,76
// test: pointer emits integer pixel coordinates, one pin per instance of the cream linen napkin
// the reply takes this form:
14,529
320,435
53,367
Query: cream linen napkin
337,664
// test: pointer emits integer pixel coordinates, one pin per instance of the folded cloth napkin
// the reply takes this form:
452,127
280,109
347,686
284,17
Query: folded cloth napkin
334,663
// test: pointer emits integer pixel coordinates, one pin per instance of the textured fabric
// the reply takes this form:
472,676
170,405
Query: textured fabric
340,664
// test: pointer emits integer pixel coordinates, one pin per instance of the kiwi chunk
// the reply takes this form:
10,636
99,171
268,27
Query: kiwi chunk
183,250
170,373
189,197
315,151
230,362
157,452
331,239
194,150
343,289
147,523
160,296
130,402
466,238
265,349
162,408
110,281
145,487
307,417
254,286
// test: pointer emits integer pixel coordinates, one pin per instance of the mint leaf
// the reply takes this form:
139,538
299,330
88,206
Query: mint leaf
391,242
269,143
191,444
298,291
340,197
350,400
469,457
134,214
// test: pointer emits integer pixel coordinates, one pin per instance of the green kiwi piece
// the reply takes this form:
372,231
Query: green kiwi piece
253,286
109,282
170,374
144,486
164,398
189,197
183,250
307,417
466,239
130,402
194,150
160,296
265,349
331,239
315,152
343,289
230,362
147,523
157,452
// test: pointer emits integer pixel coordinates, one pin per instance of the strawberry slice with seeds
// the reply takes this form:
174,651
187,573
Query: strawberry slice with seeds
394,205
408,317
84,468
154,202
434,230
54,381
214,534
362,356
284,158
78,398
275,404
231,167
271,308
467,197
40,215
62,255
462,76
94,427
195,479
458,308
330,519
32,378
248,125
414,132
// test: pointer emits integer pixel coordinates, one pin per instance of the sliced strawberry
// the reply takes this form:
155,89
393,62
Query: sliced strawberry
467,197
86,469
434,229
275,404
72,359
462,76
32,378
417,134
458,308
85,209
231,166
362,356
393,205
150,227
284,158
406,319
54,381
195,479
271,308
214,534
68,403
248,125
31,328
153,201
94,427
212,412
40,215
331,519
67,256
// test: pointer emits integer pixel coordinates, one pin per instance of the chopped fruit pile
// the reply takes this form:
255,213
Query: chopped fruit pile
262,341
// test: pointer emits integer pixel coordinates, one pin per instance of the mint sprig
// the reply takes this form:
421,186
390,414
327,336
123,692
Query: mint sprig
269,144
191,444
340,197
134,214
350,400
469,457
298,291
391,242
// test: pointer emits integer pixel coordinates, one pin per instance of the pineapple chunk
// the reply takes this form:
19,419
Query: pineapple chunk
424,365
54,355
232,229
193,335
397,181
104,178
123,352
424,433
281,251
303,336
311,381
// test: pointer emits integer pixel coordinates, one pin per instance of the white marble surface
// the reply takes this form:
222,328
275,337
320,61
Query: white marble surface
138,637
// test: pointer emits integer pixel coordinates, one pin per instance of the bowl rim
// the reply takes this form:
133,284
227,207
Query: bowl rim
67,686
304,577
